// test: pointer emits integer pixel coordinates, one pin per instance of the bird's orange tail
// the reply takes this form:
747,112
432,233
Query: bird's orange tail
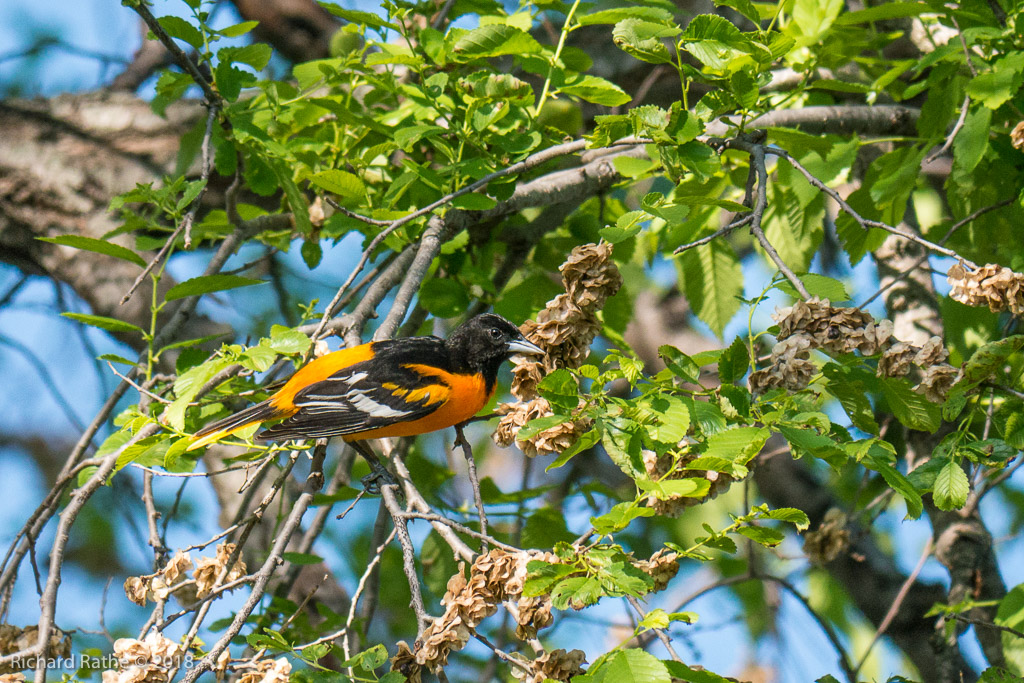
261,412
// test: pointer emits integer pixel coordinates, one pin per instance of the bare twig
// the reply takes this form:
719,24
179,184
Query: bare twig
291,523
467,451
896,604
388,492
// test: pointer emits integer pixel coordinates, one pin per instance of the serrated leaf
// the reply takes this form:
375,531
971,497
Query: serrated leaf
204,284
635,666
97,246
494,40
909,407
178,28
951,487
339,182
821,286
762,535
643,39
367,19
614,16
734,361
668,488
302,558
444,298
619,517
1010,614
598,91
737,444
104,323
239,29
984,362
713,279
797,518
899,483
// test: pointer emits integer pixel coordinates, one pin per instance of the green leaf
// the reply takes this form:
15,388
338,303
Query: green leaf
256,55
1011,615
339,182
614,16
762,535
632,167
995,88
744,7
735,361
889,10
988,359
560,389
239,29
204,284
444,298
818,445
971,142
538,425
104,323
635,666
301,558
598,91
669,488
288,341
899,483
367,19
494,40
715,42
177,27
643,39
909,407
821,286
951,487
587,440
737,444
813,18
619,517
98,246
797,518
713,280
673,419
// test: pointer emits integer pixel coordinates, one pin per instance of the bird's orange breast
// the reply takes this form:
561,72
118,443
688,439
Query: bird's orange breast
463,397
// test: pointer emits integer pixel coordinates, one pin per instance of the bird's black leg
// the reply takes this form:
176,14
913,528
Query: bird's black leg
379,475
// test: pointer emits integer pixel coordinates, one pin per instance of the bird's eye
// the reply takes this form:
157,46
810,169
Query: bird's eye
495,333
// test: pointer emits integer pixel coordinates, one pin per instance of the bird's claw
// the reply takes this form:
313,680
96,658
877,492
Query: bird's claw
377,479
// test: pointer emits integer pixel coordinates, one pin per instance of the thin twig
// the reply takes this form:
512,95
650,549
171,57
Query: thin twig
262,579
467,451
894,608
987,624
757,159
865,222
715,235
388,493
461,528
952,134
660,632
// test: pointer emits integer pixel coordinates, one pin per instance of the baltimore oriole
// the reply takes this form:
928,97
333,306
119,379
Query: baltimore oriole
399,387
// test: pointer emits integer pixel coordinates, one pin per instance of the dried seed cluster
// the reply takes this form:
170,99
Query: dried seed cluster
992,285
660,467
831,538
149,660
565,330
14,639
494,577
1017,136
662,567
816,324
268,671
557,665
173,578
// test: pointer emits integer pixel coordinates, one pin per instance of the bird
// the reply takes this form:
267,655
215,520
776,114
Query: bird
390,388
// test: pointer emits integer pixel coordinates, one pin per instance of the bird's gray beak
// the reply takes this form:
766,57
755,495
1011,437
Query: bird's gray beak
524,347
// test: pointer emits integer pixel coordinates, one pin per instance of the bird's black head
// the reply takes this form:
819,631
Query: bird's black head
484,342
